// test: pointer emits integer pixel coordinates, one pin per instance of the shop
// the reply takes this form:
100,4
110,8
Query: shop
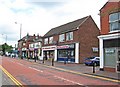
66,53
24,52
48,51
110,53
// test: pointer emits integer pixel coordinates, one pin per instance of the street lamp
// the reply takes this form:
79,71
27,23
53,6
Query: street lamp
5,38
20,28
20,50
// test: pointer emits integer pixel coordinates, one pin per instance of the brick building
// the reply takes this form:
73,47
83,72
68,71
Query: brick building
73,41
109,40
24,46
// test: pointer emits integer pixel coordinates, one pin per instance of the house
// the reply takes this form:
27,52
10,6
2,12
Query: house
35,47
25,44
72,41
109,39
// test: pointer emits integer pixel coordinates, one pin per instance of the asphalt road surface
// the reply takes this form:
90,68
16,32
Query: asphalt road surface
30,73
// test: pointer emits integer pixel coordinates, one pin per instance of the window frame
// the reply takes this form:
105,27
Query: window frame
112,22
46,42
51,41
69,36
61,37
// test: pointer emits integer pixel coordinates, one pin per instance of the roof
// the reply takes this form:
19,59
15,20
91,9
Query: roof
108,2
66,27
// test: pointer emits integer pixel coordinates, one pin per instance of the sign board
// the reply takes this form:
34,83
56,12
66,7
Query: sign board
66,46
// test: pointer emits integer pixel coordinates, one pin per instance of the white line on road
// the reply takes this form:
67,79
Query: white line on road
20,64
35,69
68,80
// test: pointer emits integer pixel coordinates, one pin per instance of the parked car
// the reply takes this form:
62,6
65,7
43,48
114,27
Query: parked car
92,60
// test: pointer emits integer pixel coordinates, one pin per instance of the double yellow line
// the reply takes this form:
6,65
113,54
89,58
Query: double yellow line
11,77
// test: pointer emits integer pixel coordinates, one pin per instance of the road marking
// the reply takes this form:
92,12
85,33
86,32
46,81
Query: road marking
11,77
35,69
20,64
75,72
68,80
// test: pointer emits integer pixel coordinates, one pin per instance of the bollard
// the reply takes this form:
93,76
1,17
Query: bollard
35,59
52,61
43,60
93,67
64,60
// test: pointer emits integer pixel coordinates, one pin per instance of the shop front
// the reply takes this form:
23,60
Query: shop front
110,53
24,52
66,53
48,51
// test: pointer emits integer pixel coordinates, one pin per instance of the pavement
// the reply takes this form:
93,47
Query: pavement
80,68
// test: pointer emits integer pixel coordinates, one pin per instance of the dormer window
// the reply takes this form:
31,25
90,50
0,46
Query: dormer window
62,38
114,21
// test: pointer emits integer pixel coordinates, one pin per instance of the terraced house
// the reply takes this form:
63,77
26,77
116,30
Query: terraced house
72,41
110,36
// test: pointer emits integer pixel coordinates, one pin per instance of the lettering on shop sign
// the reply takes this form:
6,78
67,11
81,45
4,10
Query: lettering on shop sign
109,51
65,46
48,48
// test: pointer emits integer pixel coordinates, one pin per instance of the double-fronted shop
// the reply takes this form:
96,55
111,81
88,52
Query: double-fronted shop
61,53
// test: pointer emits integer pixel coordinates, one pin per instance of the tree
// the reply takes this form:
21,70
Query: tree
6,48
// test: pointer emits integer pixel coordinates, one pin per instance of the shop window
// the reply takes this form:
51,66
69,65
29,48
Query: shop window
69,36
62,38
66,54
46,41
114,21
50,40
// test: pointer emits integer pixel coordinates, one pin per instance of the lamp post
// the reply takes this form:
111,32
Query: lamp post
5,38
20,28
4,44
20,45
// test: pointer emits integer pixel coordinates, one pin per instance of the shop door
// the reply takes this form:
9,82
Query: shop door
118,61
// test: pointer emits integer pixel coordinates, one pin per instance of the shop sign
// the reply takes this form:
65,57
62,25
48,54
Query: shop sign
23,49
65,46
49,48
95,49
31,49
109,51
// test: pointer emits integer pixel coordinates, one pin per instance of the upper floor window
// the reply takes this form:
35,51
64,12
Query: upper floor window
114,21
61,38
50,40
46,41
69,36
24,44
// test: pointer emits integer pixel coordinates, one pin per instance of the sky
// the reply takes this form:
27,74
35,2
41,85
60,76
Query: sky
39,16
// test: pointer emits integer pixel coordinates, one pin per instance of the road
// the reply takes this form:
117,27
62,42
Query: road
30,73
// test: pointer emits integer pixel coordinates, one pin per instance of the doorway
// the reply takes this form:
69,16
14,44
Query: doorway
118,61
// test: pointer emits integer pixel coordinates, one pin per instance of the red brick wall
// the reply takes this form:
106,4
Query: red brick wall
109,8
110,69
88,33
86,36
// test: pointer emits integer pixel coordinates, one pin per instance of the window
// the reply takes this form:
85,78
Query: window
50,40
61,38
24,44
66,54
69,36
46,41
114,21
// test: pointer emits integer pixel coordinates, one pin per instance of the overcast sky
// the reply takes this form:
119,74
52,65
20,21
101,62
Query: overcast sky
39,16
